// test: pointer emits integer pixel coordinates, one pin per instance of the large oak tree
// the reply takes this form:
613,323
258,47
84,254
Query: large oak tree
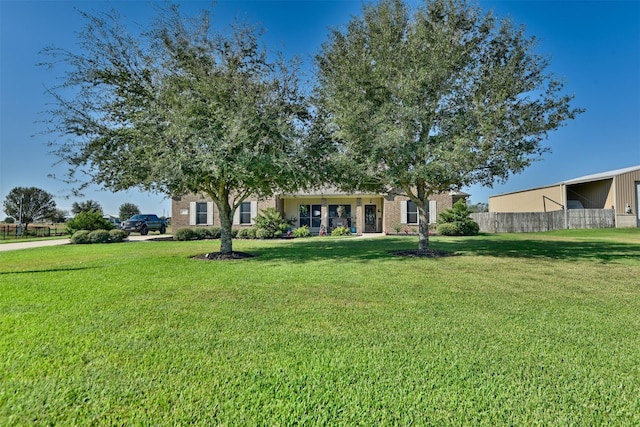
29,204
428,100
179,108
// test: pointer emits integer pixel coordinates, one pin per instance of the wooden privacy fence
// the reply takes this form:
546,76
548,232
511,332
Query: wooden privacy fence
528,222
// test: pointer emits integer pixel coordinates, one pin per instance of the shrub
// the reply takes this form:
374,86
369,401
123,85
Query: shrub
470,228
448,229
261,233
459,228
184,234
9,220
272,222
341,231
201,233
397,228
456,221
117,236
215,232
91,220
99,236
247,233
80,237
302,231
234,233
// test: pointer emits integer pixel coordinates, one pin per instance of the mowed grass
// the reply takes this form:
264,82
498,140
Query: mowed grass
528,329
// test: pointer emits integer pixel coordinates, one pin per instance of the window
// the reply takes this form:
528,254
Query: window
412,212
201,213
245,213
339,216
310,215
409,212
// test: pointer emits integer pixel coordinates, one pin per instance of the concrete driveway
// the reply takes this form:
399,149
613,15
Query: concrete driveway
57,242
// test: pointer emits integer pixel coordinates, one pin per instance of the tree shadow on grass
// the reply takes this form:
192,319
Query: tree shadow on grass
367,250
329,249
601,251
46,270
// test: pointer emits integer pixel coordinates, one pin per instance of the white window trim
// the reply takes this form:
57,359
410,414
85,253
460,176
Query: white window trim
433,212
236,216
254,213
404,209
209,213
192,213
403,212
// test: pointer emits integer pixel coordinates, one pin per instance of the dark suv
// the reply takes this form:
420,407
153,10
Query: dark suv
143,223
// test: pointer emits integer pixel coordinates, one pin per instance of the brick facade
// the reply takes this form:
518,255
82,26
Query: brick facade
389,208
180,210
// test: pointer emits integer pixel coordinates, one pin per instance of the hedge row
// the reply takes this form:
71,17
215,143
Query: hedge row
82,237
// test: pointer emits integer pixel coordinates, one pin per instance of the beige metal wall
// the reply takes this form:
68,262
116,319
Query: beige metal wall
626,190
537,200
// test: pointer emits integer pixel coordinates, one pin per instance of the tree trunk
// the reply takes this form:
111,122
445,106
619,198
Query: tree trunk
226,223
423,227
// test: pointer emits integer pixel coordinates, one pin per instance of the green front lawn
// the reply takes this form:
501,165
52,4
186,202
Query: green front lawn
529,329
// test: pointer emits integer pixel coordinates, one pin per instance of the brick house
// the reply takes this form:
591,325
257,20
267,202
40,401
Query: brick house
328,208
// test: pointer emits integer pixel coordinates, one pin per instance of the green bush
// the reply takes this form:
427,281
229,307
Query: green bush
458,228
247,233
271,222
456,221
215,232
117,236
99,236
471,228
302,231
184,234
234,233
261,233
202,233
341,231
448,229
91,220
80,237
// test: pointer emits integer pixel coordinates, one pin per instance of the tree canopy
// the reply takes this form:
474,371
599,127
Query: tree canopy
86,206
127,210
180,108
432,99
29,204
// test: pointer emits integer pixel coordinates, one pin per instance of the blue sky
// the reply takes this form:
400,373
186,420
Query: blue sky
593,45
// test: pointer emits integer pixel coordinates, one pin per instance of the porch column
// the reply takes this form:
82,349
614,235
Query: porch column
324,216
359,216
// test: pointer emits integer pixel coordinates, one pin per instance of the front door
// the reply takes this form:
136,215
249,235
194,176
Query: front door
370,219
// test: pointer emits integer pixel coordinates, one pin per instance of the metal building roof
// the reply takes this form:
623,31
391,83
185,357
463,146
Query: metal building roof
601,175
586,178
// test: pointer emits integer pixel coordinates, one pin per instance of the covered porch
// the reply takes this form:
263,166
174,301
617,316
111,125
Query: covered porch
361,213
